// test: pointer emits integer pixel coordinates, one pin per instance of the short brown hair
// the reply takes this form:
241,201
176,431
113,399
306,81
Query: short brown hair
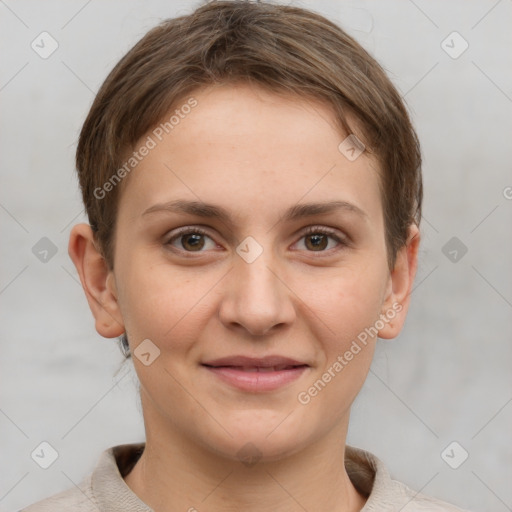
284,49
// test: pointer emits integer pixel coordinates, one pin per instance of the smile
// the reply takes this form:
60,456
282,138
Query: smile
256,375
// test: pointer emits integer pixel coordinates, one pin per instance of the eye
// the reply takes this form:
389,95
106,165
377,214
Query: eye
317,238
190,239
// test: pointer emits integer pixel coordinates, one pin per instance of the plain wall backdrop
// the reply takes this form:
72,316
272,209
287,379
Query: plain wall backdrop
445,379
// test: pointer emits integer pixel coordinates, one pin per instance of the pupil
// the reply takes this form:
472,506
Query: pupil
196,240
318,239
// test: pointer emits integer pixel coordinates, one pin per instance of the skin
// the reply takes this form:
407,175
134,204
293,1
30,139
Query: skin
256,154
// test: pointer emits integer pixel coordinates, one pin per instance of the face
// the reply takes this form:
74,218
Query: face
252,315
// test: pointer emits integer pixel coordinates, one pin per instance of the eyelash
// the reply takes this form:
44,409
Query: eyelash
309,231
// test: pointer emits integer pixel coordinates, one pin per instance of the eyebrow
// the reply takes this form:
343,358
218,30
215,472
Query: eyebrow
299,211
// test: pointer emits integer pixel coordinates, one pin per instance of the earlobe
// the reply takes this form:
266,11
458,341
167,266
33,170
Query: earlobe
97,281
401,280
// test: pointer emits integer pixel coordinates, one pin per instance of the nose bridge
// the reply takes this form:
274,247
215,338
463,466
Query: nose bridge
256,298
256,278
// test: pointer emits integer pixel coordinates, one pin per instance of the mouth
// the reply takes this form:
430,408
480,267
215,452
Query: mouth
256,374
264,369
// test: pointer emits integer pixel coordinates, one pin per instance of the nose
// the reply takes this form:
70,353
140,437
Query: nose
256,298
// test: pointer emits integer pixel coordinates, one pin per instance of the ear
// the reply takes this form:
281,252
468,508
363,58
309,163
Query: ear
399,288
97,281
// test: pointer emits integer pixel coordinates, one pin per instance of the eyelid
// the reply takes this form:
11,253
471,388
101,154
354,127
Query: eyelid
335,233
188,229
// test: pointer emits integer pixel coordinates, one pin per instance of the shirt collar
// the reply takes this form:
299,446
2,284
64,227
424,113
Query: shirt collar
368,474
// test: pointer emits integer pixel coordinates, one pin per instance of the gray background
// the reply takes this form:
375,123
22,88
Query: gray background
446,378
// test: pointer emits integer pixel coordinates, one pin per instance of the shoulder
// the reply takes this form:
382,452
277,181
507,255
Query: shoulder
403,498
78,499
384,494
103,490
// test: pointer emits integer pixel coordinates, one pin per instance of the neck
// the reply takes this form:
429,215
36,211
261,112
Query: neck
175,474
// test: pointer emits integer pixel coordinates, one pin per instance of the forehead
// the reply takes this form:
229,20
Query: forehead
246,112
250,148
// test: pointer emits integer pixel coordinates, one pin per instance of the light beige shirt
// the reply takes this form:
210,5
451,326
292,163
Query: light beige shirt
105,490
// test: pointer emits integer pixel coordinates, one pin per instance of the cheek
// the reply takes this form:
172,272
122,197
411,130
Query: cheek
345,310
349,309
158,302
349,301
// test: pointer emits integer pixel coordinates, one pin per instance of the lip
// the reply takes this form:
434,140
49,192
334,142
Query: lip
256,374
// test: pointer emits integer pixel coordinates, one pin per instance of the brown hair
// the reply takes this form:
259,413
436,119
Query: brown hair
285,49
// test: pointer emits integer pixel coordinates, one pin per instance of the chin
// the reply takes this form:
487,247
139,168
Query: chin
264,438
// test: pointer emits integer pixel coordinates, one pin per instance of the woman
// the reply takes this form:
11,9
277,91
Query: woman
253,187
